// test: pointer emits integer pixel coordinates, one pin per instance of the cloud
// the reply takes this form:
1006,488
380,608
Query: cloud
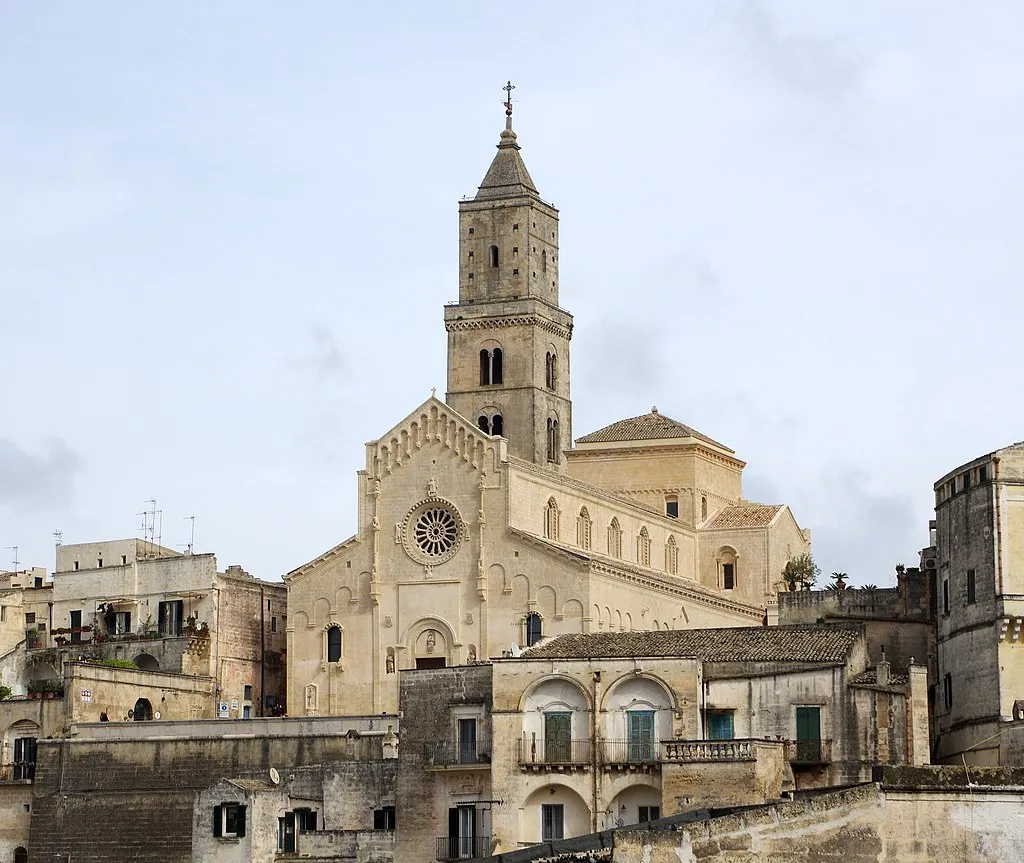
32,480
806,64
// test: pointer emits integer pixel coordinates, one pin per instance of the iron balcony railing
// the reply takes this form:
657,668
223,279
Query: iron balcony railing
446,753
709,750
809,751
540,751
630,751
463,847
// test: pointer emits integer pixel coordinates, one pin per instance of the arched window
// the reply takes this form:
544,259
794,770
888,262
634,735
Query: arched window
20,855
583,525
614,539
494,256
703,508
727,568
550,370
484,424
554,441
491,366
143,710
497,425
551,519
334,644
671,556
643,548
534,628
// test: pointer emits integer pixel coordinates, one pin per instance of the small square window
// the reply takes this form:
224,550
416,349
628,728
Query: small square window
124,560
30,617
470,276
99,562
41,627
384,818
515,271
76,566
470,230
515,227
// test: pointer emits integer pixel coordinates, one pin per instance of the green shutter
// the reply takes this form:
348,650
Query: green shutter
241,821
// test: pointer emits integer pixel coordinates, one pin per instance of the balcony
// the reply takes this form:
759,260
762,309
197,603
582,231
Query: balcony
701,751
809,753
558,755
463,847
643,755
445,755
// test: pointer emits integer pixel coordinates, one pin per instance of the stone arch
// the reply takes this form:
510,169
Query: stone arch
631,802
577,818
628,622
343,596
572,608
547,601
520,589
21,854
498,578
321,610
147,662
143,710
727,561
416,642
555,689
640,688
300,618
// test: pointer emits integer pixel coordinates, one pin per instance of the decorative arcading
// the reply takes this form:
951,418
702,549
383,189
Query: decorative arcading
434,425
518,321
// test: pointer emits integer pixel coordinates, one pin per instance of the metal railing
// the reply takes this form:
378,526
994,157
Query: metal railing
630,751
809,751
463,847
22,771
709,750
539,751
446,753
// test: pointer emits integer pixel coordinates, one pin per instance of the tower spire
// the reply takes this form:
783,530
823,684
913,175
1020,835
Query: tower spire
508,88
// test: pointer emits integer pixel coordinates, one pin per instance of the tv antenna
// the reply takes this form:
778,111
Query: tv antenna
151,526
13,548
192,538
58,537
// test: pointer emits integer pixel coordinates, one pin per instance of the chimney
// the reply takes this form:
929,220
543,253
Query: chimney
882,670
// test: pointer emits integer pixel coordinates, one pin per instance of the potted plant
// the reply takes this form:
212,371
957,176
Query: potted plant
800,572
838,581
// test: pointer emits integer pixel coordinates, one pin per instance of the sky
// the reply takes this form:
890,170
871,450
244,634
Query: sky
227,231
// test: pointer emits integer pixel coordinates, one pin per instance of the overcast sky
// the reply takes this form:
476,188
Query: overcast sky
227,231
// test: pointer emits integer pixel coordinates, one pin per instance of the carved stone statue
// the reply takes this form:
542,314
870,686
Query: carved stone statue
311,700
431,640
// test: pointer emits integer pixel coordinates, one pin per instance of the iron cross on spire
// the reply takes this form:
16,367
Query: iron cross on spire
508,88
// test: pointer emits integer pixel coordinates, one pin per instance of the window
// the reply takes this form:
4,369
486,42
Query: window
124,560
497,425
728,576
75,565
551,519
247,692
534,628
3,613
273,624
703,508
983,473
20,855
171,616
550,370
461,833
808,734
543,261
720,724
641,745
945,596
122,622
552,821
967,480
494,256
99,563
491,371
384,818
554,441
614,539
583,527
672,506
229,821
30,617
947,691
334,644
24,758
649,813
671,556
467,741
643,548
972,596
76,627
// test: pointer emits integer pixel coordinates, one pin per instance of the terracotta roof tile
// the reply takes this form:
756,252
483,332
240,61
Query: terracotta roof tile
744,515
652,426
803,643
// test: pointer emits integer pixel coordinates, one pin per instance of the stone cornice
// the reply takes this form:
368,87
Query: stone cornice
537,321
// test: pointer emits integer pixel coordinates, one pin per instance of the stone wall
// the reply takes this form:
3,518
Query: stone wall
91,689
126,792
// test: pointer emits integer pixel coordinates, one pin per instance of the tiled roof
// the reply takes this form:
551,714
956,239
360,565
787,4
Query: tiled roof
744,515
652,426
803,643
870,678
252,785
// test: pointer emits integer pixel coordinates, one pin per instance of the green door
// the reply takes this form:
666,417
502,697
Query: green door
640,726
808,734
557,737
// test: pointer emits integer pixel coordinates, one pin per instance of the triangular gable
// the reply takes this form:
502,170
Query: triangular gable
434,422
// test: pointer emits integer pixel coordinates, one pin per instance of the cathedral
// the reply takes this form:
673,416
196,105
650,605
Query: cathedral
483,527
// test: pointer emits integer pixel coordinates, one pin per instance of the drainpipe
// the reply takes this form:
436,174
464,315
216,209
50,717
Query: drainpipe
263,650
594,744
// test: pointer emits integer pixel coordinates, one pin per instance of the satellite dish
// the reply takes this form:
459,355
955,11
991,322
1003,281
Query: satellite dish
515,650
275,777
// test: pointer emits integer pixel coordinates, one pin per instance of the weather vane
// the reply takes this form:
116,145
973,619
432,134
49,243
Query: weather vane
508,88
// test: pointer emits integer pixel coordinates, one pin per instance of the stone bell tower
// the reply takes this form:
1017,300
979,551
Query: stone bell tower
508,341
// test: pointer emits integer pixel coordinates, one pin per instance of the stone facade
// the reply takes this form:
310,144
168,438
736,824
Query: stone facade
979,560
479,528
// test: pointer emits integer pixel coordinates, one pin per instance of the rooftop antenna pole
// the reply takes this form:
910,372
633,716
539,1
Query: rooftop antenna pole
58,537
192,540
13,548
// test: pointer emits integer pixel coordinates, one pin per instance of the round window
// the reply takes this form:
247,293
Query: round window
432,532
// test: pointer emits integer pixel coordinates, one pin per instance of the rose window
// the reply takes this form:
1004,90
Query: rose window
432,531
436,531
